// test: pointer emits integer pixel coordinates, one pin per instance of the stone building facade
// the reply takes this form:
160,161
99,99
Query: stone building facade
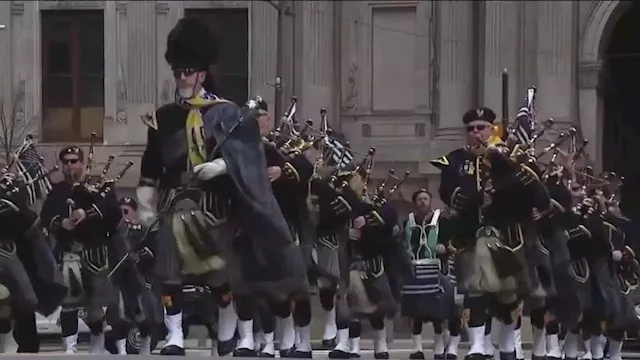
395,74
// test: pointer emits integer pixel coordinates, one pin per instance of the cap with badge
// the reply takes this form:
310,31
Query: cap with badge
481,114
128,201
71,150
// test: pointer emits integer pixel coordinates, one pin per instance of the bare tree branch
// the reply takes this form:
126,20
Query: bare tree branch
14,125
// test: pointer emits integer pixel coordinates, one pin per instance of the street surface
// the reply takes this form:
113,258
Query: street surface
399,349
200,353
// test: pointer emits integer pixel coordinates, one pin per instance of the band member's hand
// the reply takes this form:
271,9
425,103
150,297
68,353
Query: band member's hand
359,222
78,216
274,173
211,169
146,216
616,255
67,224
354,234
441,249
145,254
535,214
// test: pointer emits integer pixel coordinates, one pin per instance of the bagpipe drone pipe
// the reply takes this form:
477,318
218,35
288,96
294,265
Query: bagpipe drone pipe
91,192
23,181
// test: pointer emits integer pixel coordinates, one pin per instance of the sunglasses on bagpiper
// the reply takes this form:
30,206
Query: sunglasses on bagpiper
479,127
187,72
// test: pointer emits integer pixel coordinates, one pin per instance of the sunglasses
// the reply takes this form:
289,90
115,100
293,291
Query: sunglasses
177,73
70,161
480,127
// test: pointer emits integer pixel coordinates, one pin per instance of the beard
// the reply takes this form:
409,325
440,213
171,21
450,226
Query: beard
185,93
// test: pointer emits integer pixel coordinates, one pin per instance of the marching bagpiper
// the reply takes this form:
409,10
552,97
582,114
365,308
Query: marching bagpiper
373,235
289,172
30,279
480,183
139,300
84,220
204,164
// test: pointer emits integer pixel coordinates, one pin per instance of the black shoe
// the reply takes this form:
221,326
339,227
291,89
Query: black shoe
266,355
417,355
475,356
302,355
226,347
172,350
244,352
451,357
339,354
508,356
354,355
381,355
288,353
438,356
329,343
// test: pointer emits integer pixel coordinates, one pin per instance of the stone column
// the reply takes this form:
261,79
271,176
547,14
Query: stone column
141,74
591,108
111,61
314,53
168,13
28,59
554,61
502,48
5,53
455,63
137,90
263,50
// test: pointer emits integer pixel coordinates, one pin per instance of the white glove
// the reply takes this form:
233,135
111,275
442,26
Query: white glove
211,169
616,255
146,204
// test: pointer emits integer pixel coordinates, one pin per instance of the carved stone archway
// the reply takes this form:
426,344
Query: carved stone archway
593,43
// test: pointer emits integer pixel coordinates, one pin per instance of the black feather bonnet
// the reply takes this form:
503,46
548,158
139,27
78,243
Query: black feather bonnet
191,45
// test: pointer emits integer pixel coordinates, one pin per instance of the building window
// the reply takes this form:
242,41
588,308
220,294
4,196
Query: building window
231,29
72,75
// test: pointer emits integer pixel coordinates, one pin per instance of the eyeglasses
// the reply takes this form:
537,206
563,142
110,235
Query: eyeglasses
177,73
480,127
70,161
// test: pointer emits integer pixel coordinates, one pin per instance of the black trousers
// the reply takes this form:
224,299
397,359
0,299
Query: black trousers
25,332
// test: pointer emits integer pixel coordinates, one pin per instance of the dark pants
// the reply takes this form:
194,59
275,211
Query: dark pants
25,332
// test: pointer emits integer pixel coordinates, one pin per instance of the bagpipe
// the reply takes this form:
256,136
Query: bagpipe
88,190
292,148
23,181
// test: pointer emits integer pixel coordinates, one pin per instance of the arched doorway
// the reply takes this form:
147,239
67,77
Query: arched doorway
620,91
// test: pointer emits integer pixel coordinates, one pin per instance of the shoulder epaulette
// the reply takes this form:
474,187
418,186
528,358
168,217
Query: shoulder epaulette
440,162
150,120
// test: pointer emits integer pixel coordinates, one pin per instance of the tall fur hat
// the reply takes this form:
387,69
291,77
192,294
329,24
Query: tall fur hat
191,45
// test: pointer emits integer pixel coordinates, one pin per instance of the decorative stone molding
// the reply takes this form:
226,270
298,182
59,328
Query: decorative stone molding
589,74
17,7
19,103
166,90
350,101
162,8
121,7
70,5
366,131
199,4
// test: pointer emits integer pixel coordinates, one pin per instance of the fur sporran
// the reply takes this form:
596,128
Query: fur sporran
494,266
197,238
